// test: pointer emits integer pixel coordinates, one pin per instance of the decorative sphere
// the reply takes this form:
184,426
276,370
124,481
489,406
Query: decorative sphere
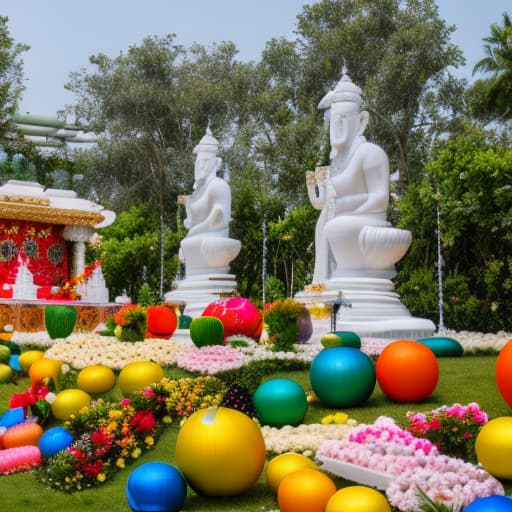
96,379
284,464
238,316
358,498
5,354
69,402
280,402
206,330
504,371
342,376
139,375
494,503
407,371
220,451
6,373
27,358
330,340
156,487
14,362
442,346
22,434
44,368
493,447
54,440
305,490
349,339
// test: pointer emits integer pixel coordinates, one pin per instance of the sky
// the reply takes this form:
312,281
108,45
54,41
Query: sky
63,34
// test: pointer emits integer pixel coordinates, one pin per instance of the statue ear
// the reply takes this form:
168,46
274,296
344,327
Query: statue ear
363,122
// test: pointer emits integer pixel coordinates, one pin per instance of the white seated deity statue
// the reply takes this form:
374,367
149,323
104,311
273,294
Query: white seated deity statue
352,237
207,248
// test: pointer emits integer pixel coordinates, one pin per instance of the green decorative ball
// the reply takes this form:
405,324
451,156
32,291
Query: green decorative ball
59,320
184,322
349,339
5,354
206,330
442,346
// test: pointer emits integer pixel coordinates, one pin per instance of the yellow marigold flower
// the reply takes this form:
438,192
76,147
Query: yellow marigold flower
340,417
120,463
150,440
326,420
115,415
101,477
136,453
166,420
67,480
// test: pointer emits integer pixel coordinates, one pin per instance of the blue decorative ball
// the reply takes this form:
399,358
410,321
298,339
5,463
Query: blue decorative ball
54,440
493,503
280,402
342,376
156,487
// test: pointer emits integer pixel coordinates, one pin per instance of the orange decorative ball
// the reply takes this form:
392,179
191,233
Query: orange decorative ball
504,371
44,368
161,321
284,464
23,434
407,371
305,490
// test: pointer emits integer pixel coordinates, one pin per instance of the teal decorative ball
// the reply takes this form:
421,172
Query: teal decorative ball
442,346
349,339
280,402
342,377
206,330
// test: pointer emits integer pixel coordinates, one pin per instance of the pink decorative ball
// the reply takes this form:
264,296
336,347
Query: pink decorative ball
238,315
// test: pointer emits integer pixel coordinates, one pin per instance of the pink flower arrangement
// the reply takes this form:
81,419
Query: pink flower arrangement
452,429
412,463
21,458
210,359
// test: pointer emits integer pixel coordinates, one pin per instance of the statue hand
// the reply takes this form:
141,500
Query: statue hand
310,178
322,173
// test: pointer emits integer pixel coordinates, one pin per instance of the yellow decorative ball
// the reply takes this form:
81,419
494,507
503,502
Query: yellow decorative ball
96,379
493,447
6,373
220,451
27,358
69,402
331,340
44,368
358,498
284,464
139,375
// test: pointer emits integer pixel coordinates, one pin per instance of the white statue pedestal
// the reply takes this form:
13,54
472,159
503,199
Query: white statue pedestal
198,291
375,310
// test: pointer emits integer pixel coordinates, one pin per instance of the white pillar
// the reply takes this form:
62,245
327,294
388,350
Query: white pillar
79,235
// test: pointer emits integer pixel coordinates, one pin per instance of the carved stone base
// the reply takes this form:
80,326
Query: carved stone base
372,309
28,316
200,290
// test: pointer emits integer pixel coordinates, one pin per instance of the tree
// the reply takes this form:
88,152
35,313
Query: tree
470,181
494,95
398,53
11,79
152,104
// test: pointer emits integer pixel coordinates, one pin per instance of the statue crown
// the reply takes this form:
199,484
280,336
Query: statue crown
207,144
345,91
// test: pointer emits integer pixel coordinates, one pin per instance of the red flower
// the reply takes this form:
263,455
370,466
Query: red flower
25,399
93,469
103,440
143,421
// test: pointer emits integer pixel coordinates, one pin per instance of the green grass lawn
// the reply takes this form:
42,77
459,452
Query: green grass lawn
465,379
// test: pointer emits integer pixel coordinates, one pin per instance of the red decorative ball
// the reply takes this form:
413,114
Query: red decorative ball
238,315
407,371
504,371
161,321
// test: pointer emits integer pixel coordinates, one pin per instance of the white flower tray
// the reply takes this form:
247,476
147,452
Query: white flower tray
355,473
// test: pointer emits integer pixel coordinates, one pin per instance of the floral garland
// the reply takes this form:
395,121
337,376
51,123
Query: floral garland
68,290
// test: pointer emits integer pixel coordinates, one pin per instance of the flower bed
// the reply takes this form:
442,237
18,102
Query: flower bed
411,463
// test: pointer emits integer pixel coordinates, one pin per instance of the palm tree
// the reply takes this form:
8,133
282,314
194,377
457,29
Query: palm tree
498,62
